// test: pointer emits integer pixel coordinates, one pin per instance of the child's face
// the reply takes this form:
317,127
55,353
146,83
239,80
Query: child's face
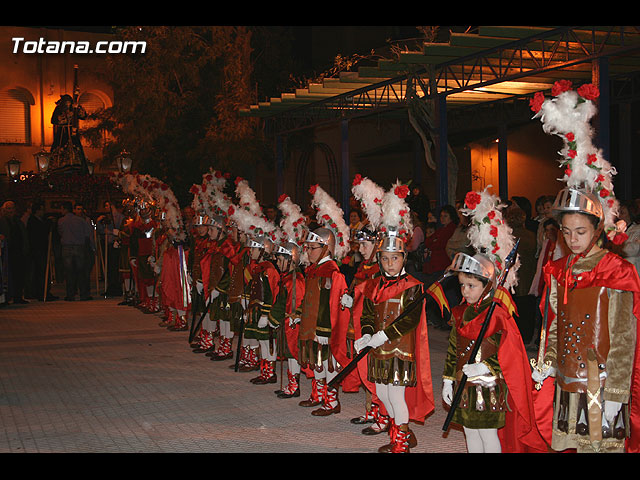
430,231
471,288
392,262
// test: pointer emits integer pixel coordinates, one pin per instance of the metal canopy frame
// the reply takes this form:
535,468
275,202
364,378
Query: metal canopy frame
497,69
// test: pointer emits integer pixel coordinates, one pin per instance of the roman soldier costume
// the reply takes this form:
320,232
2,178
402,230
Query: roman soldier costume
322,338
593,297
497,394
399,359
287,308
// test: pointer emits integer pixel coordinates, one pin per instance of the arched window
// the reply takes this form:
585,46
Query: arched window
92,103
15,116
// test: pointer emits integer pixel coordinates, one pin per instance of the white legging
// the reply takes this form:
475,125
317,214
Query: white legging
225,329
392,397
264,350
325,373
293,365
482,440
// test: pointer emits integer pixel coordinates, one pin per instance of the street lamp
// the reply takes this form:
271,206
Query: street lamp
13,168
124,162
43,160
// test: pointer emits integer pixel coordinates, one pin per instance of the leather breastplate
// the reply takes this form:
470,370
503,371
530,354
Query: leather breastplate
216,270
236,283
581,323
310,308
464,346
256,292
386,313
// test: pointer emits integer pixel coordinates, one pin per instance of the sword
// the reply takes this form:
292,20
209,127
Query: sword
594,407
540,364
509,261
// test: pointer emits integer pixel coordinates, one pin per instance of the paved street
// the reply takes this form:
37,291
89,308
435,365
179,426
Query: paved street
98,377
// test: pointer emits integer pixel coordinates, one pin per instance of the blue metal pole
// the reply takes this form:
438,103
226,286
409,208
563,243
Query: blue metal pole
345,176
442,153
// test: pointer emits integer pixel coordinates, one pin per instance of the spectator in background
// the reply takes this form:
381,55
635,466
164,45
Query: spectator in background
630,249
437,260
459,242
90,245
17,244
553,247
39,229
109,226
526,304
415,247
418,201
75,234
543,207
525,205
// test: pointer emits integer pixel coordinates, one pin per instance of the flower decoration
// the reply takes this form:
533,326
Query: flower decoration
488,233
567,114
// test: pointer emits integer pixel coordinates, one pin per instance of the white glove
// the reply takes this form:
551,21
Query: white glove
346,301
539,376
263,321
244,302
293,321
472,370
611,409
475,369
321,340
361,342
377,339
447,391
199,286
214,294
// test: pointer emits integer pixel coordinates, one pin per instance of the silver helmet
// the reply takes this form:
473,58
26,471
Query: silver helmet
477,264
323,236
572,200
202,220
365,235
261,241
289,249
389,241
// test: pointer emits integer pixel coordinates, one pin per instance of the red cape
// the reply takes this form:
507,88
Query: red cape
352,382
291,333
273,276
419,399
612,272
339,316
520,433
170,284
227,249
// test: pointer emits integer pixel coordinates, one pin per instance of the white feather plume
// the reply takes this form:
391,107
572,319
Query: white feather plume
370,195
331,216
396,212
568,115
489,234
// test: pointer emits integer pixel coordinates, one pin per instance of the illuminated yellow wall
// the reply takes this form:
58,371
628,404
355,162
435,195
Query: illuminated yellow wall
45,77
531,162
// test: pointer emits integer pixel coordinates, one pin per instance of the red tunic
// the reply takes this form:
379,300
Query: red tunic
419,398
